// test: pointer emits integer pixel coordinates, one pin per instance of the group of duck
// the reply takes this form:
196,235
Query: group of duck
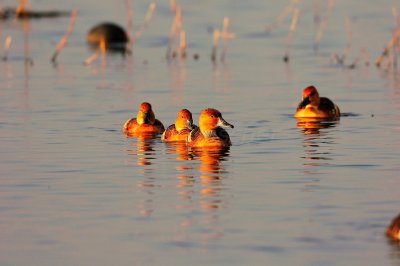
210,131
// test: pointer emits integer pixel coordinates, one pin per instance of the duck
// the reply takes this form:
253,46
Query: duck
113,36
181,129
210,132
314,106
144,123
393,230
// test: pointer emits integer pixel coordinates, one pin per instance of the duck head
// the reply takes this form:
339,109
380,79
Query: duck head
310,96
184,120
210,119
145,114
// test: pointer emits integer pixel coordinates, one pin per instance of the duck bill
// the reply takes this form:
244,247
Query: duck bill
189,124
223,123
304,103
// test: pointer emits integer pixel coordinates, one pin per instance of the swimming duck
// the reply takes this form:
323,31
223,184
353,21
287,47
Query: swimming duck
393,230
113,35
210,132
145,122
181,129
314,106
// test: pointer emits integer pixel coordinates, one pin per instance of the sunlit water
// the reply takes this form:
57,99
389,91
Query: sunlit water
74,190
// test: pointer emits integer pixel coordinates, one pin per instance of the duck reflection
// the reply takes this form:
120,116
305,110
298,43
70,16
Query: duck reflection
209,185
317,141
211,172
144,154
185,171
312,125
144,148
200,187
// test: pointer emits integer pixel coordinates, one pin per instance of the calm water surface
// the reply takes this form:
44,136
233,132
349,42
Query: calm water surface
75,191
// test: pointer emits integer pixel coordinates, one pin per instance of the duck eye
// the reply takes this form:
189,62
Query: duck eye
212,116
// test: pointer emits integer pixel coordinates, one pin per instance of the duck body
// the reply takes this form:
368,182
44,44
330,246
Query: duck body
393,230
113,36
132,126
145,122
210,132
314,106
219,138
181,129
172,134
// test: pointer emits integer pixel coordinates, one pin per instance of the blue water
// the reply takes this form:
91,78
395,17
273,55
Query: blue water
74,190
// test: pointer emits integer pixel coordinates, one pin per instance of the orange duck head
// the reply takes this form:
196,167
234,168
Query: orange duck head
184,120
145,114
210,133
310,96
209,120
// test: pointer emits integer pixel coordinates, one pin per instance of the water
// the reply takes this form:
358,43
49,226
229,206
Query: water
75,191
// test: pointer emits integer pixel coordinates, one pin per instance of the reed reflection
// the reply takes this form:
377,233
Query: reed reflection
317,141
177,71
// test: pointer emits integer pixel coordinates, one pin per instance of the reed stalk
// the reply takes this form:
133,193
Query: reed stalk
292,29
7,45
216,36
146,22
63,41
21,7
322,25
282,16
175,31
182,44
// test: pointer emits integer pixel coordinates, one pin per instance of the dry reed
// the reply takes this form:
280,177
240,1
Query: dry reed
322,25
61,44
175,31
146,22
7,45
286,11
223,34
393,45
292,29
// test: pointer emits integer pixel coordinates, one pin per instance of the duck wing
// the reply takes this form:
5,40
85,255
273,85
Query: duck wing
169,132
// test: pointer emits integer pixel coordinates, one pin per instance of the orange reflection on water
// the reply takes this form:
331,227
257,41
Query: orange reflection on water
317,142
200,187
211,171
184,168
143,152
144,148
312,125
